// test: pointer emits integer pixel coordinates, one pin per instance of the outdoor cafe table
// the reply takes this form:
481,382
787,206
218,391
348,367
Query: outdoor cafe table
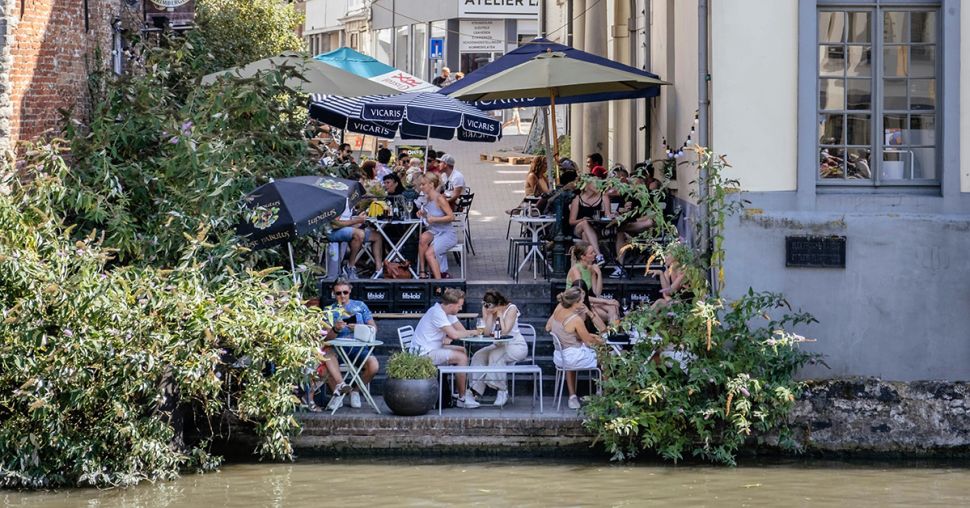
395,246
535,225
485,340
355,365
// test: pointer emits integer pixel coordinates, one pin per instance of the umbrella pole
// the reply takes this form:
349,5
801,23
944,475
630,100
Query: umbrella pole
426,139
296,277
555,133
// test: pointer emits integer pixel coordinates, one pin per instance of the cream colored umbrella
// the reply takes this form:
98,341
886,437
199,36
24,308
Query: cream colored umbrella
317,77
553,75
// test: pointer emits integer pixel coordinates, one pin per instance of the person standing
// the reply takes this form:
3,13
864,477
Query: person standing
453,179
434,335
340,320
440,79
498,312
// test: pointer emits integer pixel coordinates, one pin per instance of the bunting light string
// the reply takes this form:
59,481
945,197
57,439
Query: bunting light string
676,154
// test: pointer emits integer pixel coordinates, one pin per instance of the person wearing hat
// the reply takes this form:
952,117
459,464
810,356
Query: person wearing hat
454,181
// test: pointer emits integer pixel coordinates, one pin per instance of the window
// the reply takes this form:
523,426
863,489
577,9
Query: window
382,46
420,59
878,96
402,48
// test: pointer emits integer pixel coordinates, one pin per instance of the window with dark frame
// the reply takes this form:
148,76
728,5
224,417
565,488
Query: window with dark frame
878,96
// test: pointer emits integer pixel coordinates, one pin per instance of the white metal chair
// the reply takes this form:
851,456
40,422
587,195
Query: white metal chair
405,334
560,381
529,334
459,248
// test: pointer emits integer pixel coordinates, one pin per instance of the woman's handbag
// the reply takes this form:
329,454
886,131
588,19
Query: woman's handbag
397,269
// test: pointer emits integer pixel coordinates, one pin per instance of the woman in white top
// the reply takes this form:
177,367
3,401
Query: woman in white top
496,310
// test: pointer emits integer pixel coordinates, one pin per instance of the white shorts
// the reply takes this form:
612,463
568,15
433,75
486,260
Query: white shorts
440,356
582,357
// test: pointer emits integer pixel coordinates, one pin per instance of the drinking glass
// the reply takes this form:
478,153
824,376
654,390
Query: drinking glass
480,326
624,305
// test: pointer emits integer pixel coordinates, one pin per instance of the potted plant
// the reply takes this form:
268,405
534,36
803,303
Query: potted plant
411,388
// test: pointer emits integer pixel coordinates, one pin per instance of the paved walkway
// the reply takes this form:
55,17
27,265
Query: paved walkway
497,188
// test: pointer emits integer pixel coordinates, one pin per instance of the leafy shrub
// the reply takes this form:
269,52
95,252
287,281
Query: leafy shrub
94,362
405,365
708,373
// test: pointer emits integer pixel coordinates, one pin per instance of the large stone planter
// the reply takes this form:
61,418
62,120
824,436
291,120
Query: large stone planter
410,397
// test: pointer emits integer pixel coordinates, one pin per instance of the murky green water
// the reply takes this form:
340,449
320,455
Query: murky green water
508,483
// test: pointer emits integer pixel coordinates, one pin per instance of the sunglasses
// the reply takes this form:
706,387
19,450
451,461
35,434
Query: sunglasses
487,305
341,293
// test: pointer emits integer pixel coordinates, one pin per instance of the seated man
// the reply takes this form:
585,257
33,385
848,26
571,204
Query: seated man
340,320
434,334
348,228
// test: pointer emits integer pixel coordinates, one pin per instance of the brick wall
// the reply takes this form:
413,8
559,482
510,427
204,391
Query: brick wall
46,51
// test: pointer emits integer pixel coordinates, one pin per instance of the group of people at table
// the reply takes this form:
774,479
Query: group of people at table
435,191
431,195
580,321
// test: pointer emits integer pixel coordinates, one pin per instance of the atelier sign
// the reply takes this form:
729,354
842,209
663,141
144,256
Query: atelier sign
505,9
815,251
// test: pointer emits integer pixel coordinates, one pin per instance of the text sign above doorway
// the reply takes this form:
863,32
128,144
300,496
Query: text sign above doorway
499,9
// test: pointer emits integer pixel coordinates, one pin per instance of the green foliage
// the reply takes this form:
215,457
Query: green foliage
269,27
405,365
708,373
94,362
156,162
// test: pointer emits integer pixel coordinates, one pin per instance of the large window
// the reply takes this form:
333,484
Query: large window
878,96
382,46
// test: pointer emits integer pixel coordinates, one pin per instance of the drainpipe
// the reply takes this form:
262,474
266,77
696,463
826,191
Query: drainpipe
703,133
117,47
632,27
542,18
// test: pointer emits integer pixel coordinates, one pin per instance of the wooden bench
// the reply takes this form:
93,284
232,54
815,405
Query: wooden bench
535,370
417,315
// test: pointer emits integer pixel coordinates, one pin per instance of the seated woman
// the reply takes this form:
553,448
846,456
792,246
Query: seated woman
585,269
632,226
392,184
536,183
566,323
594,323
496,310
439,236
672,280
584,208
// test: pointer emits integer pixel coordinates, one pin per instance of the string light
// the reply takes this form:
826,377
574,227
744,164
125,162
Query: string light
676,154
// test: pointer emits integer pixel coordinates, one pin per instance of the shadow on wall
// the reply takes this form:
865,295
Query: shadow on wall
53,46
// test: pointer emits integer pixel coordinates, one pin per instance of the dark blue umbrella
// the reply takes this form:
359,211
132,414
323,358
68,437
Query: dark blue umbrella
344,113
433,110
529,51
282,210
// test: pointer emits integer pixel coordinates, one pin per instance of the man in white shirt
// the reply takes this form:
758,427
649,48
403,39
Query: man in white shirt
434,334
454,181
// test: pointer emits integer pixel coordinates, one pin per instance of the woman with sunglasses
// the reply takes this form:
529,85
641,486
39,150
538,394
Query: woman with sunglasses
498,312
340,320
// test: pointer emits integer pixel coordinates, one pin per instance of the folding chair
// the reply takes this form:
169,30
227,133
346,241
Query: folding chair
464,206
560,381
405,334
529,334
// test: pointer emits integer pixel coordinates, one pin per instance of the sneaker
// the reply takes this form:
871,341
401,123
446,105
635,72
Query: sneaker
468,402
600,260
342,389
351,273
354,399
618,273
502,398
574,402
336,402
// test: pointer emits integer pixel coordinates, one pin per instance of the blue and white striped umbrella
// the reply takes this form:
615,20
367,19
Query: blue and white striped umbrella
431,110
344,113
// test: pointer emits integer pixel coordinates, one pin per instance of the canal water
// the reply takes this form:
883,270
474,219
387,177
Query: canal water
511,483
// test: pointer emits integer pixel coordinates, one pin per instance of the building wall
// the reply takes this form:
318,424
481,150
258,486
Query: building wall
754,89
44,45
898,309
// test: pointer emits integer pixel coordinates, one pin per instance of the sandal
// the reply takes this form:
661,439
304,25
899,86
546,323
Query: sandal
424,275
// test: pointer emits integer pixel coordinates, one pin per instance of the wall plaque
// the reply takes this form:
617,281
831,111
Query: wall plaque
815,251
